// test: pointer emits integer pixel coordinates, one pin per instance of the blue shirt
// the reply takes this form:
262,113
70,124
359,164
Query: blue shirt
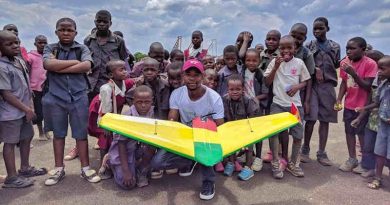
224,74
69,87
383,98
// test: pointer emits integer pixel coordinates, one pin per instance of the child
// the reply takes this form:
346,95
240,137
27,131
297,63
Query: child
208,62
123,160
230,56
196,50
259,47
219,63
16,113
237,106
156,51
174,75
288,75
14,29
105,102
243,42
176,55
210,79
66,101
253,78
382,143
326,55
357,73
37,78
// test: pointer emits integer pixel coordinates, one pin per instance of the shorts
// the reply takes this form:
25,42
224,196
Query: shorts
348,117
382,143
13,131
58,114
322,101
37,100
297,130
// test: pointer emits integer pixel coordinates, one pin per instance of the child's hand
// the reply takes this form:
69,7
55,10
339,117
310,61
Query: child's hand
278,61
348,69
139,81
128,179
338,106
355,123
247,37
359,109
30,115
319,75
293,90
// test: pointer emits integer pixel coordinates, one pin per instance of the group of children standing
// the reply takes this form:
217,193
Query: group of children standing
76,84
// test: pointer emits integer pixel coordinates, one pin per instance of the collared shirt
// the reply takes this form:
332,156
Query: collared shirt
15,80
224,74
306,55
383,98
266,59
114,48
240,109
68,87
37,72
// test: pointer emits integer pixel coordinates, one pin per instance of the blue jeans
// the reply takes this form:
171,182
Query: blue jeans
368,156
166,160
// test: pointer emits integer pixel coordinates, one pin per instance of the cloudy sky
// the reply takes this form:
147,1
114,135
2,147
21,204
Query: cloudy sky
144,22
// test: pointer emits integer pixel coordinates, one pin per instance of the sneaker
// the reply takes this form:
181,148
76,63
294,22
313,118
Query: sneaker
2,178
105,173
283,164
349,165
229,169
187,171
268,157
208,190
257,164
359,169
295,170
171,171
323,159
246,173
237,166
73,153
305,155
56,175
368,173
242,158
90,175
219,167
157,174
277,173
142,179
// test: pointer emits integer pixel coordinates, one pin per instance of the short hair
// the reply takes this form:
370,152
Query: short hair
324,20
297,25
253,50
103,13
250,40
151,61
9,25
230,49
5,34
66,19
142,89
236,77
118,33
174,52
166,54
288,37
211,72
278,34
374,55
360,41
110,65
175,66
155,45
198,32
40,37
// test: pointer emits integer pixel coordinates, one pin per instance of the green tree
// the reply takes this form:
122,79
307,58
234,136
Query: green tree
139,56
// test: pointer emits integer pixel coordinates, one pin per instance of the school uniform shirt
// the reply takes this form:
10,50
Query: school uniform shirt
15,80
224,74
198,53
210,104
37,72
383,98
289,73
106,95
139,67
357,96
249,80
114,48
240,109
306,55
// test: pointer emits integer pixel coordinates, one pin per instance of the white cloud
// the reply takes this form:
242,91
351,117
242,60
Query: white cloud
207,22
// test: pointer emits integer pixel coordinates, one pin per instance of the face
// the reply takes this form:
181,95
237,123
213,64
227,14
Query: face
102,23
272,41
219,64
354,51
174,78
259,47
178,57
40,43
150,72
299,34
287,48
192,78
10,46
252,61
119,72
12,28
143,102
239,40
235,89
230,59
196,40
319,30
211,81
157,53
208,62
66,32
384,68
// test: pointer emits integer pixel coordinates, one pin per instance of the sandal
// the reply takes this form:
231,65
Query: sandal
32,172
17,182
375,184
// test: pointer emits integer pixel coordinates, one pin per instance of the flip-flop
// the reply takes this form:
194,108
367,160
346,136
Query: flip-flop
17,182
32,172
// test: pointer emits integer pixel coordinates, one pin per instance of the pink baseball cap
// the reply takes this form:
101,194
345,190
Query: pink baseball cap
193,63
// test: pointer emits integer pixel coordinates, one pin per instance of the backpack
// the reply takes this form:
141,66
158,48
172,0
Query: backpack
78,52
